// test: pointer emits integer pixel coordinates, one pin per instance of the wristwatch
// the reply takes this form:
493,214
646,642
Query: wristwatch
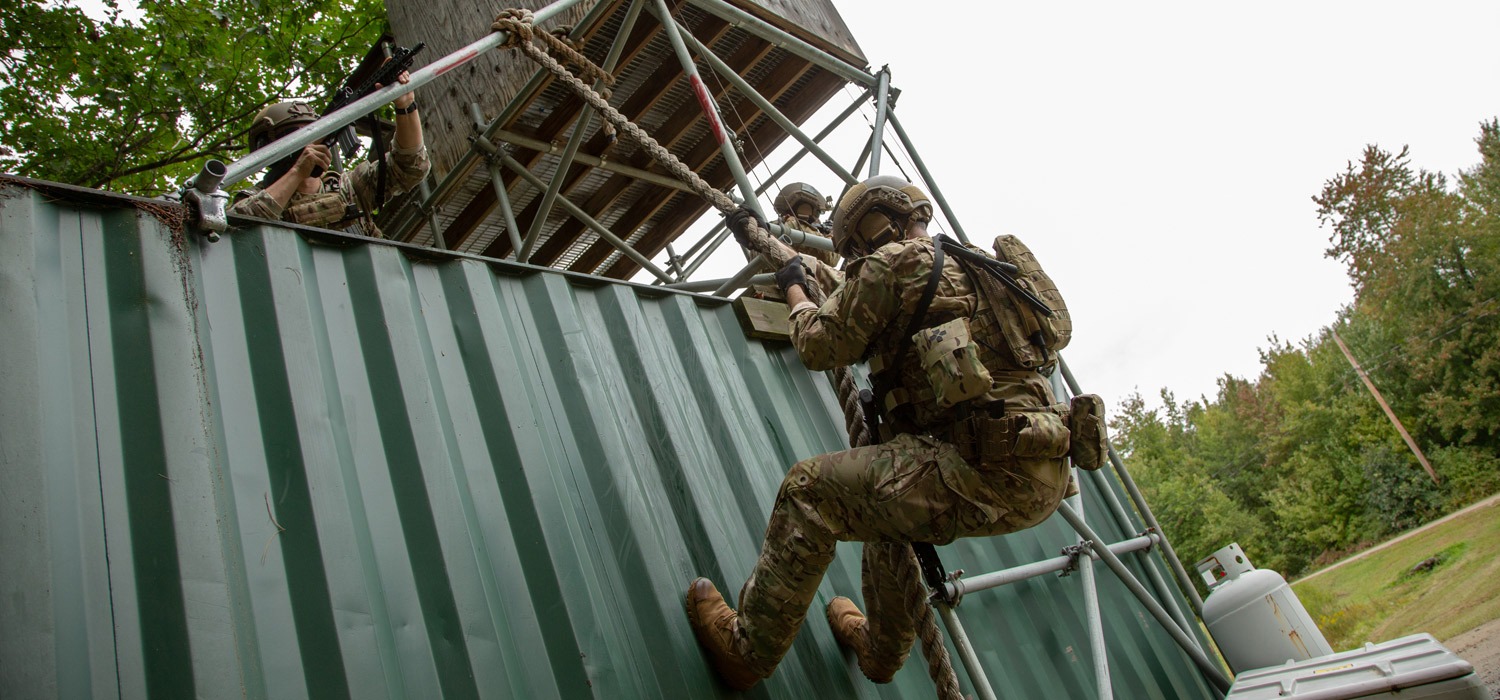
408,109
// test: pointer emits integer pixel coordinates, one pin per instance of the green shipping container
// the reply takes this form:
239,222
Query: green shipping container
293,464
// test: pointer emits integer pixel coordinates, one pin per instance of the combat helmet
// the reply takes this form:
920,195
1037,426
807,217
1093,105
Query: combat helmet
875,212
277,121
797,194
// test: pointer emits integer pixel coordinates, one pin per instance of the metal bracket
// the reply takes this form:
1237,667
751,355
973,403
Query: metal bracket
206,203
1072,552
952,593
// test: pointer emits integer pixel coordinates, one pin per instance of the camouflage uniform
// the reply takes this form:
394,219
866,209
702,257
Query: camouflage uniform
917,486
404,169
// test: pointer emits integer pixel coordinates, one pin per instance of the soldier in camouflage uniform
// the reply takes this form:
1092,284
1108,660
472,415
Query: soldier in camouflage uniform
798,206
986,465
301,190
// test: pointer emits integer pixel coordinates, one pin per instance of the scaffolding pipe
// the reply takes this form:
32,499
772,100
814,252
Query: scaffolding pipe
1097,650
592,161
1003,577
966,654
882,108
598,228
459,172
711,285
741,278
812,54
1167,593
1206,666
502,197
432,221
297,140
710,109
1122,518
1190,590
766,107
937,194
718,234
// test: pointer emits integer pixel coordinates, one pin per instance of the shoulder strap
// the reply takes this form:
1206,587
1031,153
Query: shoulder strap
928,293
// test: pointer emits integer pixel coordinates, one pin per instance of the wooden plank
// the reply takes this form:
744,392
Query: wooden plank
764,319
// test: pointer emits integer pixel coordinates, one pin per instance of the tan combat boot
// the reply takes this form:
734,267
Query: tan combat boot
851,630
715,624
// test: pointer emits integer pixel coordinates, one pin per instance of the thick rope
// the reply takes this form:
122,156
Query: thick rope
519,24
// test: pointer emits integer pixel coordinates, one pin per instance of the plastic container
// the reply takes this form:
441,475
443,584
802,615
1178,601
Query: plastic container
1409,668
1254,616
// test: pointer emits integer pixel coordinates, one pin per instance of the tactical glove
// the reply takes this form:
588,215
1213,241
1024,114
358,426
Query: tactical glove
738,222
793,273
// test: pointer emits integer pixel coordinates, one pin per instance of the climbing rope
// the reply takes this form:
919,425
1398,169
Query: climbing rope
519,23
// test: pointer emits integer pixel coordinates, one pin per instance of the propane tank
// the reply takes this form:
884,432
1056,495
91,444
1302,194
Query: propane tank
1254,616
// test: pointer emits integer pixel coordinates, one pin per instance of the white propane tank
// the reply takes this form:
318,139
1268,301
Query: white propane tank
1254,616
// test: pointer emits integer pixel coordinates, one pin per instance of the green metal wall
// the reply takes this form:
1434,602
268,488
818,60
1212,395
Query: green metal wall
292,465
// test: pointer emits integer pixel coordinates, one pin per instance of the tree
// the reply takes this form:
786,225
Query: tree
136,104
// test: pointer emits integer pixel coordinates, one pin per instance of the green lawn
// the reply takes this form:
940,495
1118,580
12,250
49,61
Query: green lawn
1379,598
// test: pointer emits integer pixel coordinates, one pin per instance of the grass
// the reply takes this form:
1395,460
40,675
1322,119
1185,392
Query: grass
1381,597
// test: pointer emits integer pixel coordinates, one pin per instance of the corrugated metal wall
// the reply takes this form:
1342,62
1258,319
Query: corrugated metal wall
276,467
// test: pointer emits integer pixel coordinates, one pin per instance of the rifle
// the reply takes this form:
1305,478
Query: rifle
373,70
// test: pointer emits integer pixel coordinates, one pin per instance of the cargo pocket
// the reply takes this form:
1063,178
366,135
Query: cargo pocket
1089,445
950,358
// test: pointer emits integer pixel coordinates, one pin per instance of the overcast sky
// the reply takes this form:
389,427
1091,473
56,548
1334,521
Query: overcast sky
1160,158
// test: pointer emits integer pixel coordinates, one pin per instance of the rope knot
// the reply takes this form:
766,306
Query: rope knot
517,21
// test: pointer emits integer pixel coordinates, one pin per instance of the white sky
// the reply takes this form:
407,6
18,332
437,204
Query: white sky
1160,158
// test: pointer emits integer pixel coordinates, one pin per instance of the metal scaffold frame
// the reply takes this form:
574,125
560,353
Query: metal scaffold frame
489,148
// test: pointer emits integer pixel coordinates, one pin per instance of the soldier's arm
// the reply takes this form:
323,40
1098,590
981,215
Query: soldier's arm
256,203
839,332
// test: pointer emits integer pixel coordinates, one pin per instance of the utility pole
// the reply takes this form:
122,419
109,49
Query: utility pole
1388,412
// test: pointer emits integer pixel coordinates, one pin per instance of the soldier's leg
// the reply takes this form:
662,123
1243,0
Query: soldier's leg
893,492
882,640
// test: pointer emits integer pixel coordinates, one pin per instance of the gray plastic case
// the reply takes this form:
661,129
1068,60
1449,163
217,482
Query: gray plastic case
1417,666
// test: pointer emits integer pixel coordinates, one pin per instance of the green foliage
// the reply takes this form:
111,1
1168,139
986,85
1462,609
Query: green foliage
136,104
1301,463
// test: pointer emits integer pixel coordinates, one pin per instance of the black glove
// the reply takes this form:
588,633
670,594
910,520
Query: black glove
793,273
738,222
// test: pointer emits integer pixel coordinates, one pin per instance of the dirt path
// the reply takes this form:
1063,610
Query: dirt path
1486,503
1481,646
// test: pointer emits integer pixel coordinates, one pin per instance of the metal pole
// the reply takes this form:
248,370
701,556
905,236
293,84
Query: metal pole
765,106
718,234
1004,577
1153,574
711,285
592,161
1091,612
458,174
937,194
1209,669
1122,518
709,107
297,140
741,278
598,228
502,197
580,129
674,263
966,653
1188,589
882,108
437,231
816,56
